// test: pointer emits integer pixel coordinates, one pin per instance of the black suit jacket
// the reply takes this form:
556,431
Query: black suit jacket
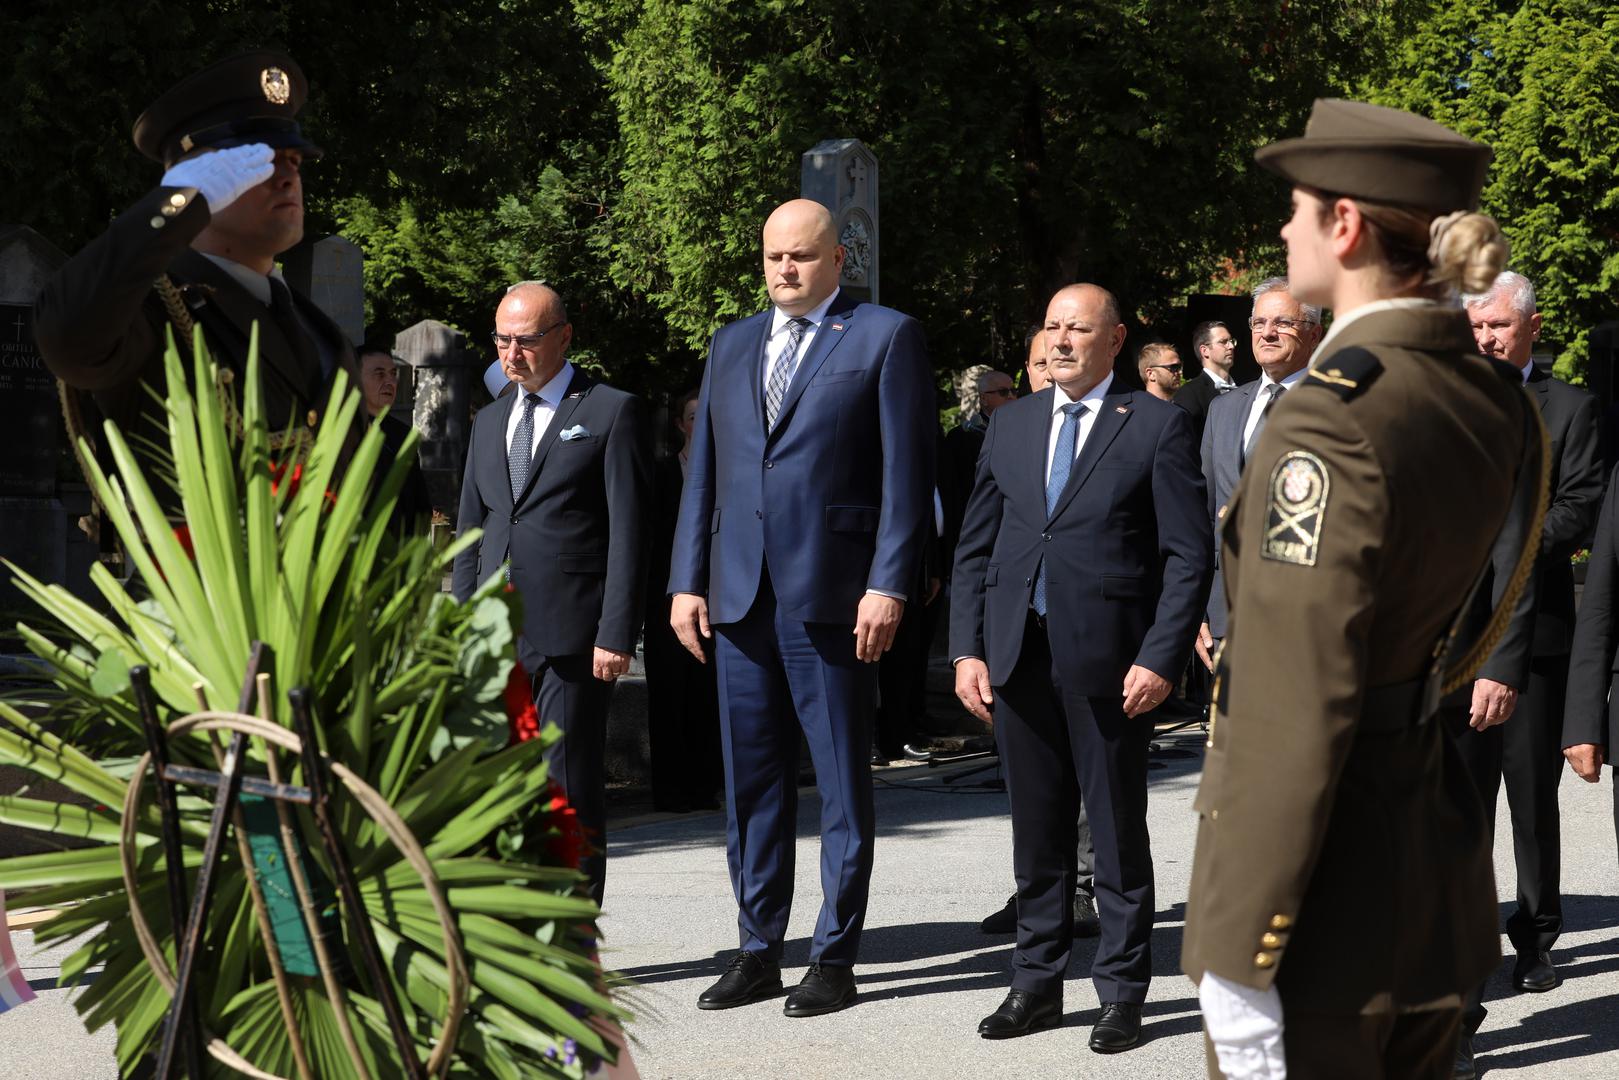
1194,396
1594,662
1570,415
1128,551
577,535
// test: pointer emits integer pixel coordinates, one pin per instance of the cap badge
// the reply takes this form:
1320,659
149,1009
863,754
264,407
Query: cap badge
276,86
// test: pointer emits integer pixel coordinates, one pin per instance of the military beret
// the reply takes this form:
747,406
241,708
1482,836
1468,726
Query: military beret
253,97
1388,155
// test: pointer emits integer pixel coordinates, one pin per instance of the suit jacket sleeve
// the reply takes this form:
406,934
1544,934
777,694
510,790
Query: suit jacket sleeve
627,476
1596,639
1186,543
470,515
89,321
688,562
980,525
905,411
1510,661
1578,497
1297,729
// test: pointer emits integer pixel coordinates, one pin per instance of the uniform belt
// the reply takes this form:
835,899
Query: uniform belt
1396,707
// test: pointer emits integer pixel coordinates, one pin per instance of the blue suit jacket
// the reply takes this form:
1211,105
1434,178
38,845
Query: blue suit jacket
836,499
1128,550
1222,468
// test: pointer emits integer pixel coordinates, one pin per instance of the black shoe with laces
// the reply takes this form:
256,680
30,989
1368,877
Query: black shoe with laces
826,988
748,978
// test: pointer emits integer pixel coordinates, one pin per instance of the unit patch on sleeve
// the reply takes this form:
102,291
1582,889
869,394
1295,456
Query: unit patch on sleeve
1297,509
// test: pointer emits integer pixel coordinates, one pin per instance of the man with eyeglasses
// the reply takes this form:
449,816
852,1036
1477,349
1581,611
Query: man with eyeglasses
1285,334
1160,368
558,477
1216,349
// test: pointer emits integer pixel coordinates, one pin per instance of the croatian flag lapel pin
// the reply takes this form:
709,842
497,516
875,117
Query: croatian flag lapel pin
837,326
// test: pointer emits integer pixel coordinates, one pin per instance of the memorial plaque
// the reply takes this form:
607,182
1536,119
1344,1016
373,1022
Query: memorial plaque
841,175
331,272
29,413
442,368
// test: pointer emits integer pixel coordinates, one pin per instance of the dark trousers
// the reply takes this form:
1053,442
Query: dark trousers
1054,744
568,695
683,721
771,670
902,678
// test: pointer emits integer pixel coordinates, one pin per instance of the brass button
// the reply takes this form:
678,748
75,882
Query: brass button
158,221
177,200
169,211
1271,941
1214,815
1280,922
1263,960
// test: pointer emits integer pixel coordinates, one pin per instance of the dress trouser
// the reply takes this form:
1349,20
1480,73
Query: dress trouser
568,695
1525,752
779,677
683,723
1055,743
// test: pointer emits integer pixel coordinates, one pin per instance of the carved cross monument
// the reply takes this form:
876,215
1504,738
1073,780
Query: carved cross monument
841,175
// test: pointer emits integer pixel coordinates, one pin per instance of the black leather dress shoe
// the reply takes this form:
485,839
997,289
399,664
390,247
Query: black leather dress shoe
915,752
1086,922
750,978
1464,1069
1023,1011
878,758
826,989
1003,921
1118,1028
1533,973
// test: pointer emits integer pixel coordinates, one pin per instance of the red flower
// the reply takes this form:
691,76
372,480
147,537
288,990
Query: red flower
567,844
520,711
182,533
292,481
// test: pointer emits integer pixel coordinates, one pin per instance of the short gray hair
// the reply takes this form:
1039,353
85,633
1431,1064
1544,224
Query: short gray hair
1312,313
1520,288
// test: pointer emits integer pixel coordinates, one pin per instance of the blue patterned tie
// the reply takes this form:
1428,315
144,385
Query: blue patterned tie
1062,465
521,454
782,373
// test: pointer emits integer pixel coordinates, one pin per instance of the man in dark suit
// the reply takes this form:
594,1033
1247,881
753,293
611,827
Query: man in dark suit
1285,334
1080,578
1216,350
801,527
1526,751
557,478
229,203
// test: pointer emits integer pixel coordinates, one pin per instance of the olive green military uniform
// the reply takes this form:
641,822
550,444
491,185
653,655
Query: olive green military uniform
1341,851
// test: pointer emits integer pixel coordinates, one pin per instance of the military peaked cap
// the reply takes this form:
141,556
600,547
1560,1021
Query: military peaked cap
253,97
1387,155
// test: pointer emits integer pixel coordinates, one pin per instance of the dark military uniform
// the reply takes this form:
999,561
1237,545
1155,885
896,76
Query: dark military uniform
100,323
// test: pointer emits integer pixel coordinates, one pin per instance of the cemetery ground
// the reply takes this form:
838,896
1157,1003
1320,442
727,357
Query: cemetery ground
927,975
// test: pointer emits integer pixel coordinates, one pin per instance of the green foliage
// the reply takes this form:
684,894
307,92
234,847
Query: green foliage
408,689
1539,82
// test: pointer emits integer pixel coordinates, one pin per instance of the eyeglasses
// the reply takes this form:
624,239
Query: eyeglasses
1176,368
1283,326
526,342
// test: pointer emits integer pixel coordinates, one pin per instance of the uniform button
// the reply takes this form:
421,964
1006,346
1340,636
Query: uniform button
169,211
1263,960
1280,922
158,221
177,200
1271,941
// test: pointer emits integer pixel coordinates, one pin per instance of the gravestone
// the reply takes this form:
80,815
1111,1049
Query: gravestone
841,175
331,272
442,368
42,495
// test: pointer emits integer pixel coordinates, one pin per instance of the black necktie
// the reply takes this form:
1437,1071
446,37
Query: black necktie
520,455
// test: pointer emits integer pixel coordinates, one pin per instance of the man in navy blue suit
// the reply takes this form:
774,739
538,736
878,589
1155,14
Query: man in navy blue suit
1079,583
807,498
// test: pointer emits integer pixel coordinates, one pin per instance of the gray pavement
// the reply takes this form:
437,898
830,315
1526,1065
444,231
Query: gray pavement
927,975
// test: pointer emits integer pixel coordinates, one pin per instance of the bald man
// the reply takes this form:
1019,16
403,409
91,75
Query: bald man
1080,578
807,500
558,477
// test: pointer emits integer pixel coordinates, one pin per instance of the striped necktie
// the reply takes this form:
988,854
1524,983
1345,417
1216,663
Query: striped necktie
781,373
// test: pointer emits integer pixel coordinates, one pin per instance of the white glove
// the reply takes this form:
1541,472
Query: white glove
1245,1026
223,175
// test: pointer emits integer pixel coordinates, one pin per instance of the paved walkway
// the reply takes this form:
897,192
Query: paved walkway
928,975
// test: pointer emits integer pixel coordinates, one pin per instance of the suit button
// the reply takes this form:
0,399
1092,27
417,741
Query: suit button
758,513
514,519
1028,581
1046,537
770,464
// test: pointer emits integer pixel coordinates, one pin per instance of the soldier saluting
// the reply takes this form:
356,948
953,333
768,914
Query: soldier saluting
1342,900
201,247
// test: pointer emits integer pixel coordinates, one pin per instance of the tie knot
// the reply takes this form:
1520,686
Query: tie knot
530,400
1275,390
1075,409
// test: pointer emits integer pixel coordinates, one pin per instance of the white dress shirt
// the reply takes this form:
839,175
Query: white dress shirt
1087,419
1262,397
777,341
550,397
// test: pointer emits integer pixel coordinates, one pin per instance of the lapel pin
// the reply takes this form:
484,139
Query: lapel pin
1121,408
837,326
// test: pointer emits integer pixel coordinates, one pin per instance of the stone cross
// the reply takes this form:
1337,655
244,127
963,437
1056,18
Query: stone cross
841,175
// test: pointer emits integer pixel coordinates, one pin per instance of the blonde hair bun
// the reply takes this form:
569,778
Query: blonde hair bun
1467,251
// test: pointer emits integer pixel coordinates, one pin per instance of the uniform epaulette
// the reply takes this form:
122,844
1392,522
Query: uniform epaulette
1346,373
1508,373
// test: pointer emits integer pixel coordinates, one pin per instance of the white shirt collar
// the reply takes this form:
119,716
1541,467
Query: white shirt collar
1528,369
779,318
1093,397
1219,381
1287,381
254,282
551,393
1399,303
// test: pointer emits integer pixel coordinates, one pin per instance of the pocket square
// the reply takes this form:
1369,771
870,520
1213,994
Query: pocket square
578,431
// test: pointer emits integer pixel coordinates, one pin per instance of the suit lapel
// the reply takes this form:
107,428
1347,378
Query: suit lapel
578,387
1037,443
827,337
1115,413
1541,384
1237,450
756,369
